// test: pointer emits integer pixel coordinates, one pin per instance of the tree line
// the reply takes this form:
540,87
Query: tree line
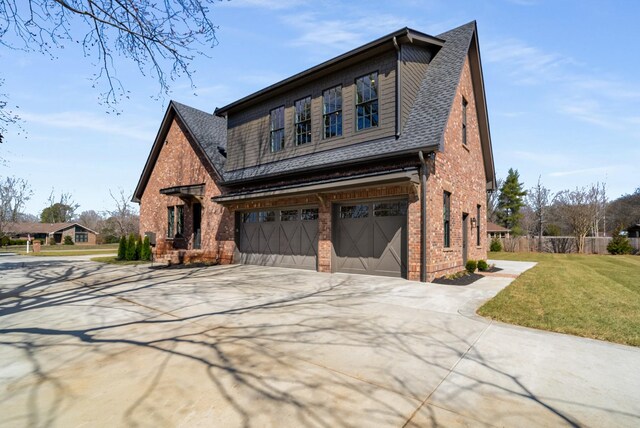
580,212
120,220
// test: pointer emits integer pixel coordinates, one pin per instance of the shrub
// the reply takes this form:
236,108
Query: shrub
138,247
131,248
619,244
68,240
496,245
471,266
122,248
145,253
483,266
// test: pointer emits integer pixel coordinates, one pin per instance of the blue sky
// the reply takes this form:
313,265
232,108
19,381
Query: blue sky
561,80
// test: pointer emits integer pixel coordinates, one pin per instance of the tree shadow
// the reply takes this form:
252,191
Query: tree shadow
302,353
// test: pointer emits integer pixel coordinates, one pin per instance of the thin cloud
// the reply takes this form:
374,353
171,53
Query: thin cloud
87,121
583,171
265,4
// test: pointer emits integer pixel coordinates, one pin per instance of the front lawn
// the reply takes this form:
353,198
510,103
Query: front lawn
593,296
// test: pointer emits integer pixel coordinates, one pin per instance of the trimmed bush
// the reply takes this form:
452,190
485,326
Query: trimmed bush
483,266
122,248
68,240
496,245
471,266
619,244
138,247
145,253
131,248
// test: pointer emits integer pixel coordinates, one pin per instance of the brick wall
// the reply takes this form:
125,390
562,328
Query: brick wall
459,170
178,164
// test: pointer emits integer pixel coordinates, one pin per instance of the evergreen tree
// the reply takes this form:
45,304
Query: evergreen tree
138,248
122,248
145,253
131,248
619,243
510,201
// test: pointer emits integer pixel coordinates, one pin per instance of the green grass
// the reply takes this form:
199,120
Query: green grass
594,296
47,253
67,250
114,261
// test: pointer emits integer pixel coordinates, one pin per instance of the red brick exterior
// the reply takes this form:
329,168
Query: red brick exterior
179,164
459,169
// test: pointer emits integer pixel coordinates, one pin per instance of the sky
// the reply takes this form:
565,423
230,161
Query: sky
561,79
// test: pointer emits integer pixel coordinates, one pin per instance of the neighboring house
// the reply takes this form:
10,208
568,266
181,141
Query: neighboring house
376,162
53,233
497,231
633,231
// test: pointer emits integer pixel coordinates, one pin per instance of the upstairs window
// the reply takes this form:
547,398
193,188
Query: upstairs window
367,101
332,112
170,222
464,121
446,211
276,120
303,120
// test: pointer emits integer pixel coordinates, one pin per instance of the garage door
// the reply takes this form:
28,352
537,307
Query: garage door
279,237
370,238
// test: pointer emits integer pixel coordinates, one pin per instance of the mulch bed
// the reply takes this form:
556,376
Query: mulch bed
463,280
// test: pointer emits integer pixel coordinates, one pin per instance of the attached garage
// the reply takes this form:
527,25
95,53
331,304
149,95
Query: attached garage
286,237
370,238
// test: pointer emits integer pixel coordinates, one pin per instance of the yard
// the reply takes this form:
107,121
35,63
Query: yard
593,296
63,250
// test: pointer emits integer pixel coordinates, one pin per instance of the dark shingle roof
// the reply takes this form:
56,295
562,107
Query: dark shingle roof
208,131
424,128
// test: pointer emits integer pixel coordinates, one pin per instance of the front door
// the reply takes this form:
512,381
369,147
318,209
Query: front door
197,220
465,238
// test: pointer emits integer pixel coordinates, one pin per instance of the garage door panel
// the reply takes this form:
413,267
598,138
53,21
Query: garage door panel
280,238
371,238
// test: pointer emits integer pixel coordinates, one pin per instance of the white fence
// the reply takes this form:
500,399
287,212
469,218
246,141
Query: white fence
561,244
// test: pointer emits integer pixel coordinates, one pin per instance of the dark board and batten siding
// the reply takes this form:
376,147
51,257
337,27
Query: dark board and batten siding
248,130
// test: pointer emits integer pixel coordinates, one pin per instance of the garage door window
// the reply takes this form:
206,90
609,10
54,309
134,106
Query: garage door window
289,215
354,211
267,216
309,214
389,209
250,217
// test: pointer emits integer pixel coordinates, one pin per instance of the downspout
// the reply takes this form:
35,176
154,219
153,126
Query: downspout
398,85
424,170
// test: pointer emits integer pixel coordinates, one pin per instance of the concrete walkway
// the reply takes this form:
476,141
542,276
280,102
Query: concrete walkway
86,344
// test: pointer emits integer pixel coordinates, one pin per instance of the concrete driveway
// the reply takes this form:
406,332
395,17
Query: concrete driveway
86,344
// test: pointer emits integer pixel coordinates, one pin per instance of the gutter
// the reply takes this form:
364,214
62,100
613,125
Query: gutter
424,173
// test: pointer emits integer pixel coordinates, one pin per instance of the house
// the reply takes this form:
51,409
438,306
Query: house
375,162
633,231
497,231
53,233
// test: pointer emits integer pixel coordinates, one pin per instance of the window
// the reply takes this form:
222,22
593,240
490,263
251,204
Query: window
277,128
464,121
332,112
82,237
170,221
180,220
446,211
303,120
389,209
266,216
367,101
289,215
250,217
309,214
354,211
478,225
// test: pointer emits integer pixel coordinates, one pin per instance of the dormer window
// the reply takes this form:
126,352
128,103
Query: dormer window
276,121
303,120
367,101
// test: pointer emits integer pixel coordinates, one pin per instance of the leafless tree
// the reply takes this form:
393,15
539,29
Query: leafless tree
161,38
90,219
579,209
601,209
14,193
538,199
124,216
492,202
59,210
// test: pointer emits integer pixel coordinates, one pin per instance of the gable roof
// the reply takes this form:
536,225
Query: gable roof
22,228
208,132
425,125
495,228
